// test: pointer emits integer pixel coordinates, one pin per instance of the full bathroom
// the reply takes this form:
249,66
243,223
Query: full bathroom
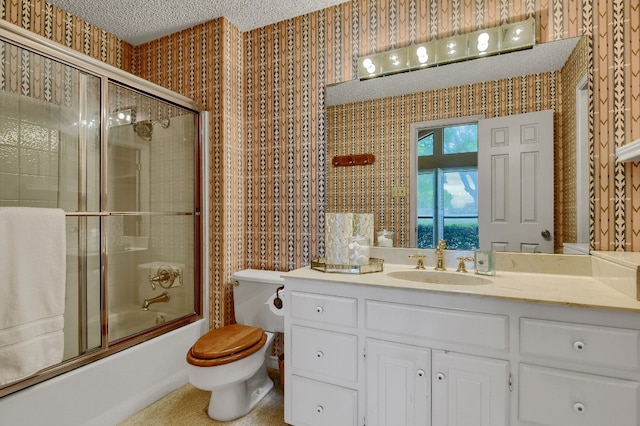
224,163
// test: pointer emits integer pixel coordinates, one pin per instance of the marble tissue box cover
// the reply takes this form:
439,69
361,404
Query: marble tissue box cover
339,231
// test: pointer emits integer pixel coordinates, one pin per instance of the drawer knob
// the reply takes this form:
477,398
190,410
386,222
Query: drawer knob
578,407
319,354
420,373
440,377
579,346
319,409
319,309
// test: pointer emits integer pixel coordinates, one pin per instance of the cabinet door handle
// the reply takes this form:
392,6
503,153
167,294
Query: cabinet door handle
420,373
579,346
578,407
319,409
319,309
440,377
319,354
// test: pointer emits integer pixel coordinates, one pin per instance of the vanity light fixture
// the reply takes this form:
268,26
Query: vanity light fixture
394,61
520,35
369,66
422,55
484,43
452,49
478,44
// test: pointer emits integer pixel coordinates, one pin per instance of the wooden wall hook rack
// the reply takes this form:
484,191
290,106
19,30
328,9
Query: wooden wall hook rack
353,160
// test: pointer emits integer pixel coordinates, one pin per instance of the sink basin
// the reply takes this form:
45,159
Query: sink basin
436,277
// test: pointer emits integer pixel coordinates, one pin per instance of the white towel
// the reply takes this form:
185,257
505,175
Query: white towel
33,264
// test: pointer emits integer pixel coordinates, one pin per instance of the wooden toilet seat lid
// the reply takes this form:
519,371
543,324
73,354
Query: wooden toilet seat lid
225,341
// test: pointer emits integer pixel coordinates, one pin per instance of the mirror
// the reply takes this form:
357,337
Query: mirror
375,116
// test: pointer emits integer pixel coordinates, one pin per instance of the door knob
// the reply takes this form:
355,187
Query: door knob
546,234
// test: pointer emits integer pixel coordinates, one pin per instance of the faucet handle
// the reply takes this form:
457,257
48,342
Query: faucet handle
420,257
462,267
165,277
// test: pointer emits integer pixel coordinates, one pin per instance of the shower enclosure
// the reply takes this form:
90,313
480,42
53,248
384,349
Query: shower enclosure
121,157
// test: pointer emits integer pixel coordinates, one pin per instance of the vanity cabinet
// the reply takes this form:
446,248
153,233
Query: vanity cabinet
469,390
398,380
370,354
559,396
323,359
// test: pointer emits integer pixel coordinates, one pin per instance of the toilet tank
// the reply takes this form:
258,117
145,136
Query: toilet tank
252,296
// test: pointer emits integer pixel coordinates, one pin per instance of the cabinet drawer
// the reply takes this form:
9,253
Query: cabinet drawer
316,403
558,397
586,344
324,309
460,327
324,353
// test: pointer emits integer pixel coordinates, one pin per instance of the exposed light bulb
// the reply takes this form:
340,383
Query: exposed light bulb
516,34
451,46
369,65
422,54
483,43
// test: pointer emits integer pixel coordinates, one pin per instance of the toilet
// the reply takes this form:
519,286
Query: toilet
231,361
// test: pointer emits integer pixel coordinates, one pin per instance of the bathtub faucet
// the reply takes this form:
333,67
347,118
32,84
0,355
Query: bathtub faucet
164,297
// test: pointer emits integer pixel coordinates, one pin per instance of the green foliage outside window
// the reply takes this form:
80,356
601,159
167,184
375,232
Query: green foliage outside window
459,236
460,139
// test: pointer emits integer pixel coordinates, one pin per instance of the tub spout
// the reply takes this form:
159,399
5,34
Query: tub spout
164,297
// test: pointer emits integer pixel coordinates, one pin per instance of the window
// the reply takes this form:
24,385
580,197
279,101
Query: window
447,186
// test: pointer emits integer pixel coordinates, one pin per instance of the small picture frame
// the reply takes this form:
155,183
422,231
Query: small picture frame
484,263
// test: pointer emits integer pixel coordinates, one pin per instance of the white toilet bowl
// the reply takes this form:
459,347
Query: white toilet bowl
230,361
235,387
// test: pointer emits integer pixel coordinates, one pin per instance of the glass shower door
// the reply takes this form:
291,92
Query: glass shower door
50,157
150,198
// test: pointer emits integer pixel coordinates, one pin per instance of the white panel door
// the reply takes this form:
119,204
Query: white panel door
515,183
398,384
469,390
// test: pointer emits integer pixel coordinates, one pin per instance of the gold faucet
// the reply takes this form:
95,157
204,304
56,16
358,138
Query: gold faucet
420,258
164,297
462,267
440,256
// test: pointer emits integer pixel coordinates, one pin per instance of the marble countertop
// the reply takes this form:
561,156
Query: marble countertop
562,289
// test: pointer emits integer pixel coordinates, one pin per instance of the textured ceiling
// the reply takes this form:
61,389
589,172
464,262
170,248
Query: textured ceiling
143,20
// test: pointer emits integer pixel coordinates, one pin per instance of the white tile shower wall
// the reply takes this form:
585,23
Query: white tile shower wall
171,183
28,162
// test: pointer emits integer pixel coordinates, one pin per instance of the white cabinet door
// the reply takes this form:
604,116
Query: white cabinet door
469,390
397,384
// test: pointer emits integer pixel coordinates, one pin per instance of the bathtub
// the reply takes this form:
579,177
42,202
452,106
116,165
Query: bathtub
110,390
134,320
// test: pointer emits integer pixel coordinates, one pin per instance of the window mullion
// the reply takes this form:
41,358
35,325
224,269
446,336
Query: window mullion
438,231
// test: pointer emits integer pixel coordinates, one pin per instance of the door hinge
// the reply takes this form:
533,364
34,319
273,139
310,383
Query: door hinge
510,383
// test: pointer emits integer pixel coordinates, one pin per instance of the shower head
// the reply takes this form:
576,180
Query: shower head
144,129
